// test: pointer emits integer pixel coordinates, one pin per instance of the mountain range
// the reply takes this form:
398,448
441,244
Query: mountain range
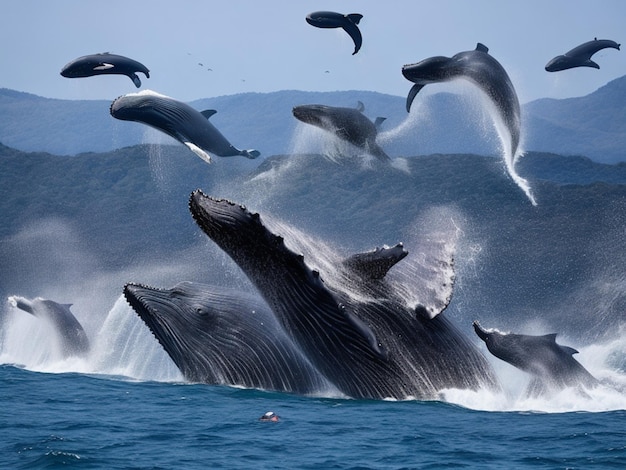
593,126
76,228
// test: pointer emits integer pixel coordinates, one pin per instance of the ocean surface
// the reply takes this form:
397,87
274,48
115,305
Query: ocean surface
125,406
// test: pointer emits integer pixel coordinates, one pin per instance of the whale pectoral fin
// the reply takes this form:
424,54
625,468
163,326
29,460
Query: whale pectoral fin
353,30
482,48
379,120
198,151
207,113
250,153
415,89
591,63
104,66
367,333
135,80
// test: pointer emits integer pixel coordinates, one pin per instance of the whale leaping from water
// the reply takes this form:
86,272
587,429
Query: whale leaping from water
178,120
580,56
480,68
366,341
105,64
550,364
348,124
72,337
330,19
224,336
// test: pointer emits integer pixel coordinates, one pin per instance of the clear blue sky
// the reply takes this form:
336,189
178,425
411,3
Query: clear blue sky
263,46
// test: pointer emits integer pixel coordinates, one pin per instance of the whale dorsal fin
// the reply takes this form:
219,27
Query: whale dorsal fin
482,48
551,338
207,113
379,120
360,106
568,350
374,265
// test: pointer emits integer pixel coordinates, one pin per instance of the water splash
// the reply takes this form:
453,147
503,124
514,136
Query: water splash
121,346
484,115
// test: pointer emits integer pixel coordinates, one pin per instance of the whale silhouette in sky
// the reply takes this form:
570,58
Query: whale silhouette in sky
550,364
580,56
367,341
330,19
178,120
105,64
348,124
72,337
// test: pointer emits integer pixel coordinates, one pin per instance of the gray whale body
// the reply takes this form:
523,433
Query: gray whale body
348,124
178,120
69,331
105,64
224,336
550,364
364,340
331,19
580,56
480,68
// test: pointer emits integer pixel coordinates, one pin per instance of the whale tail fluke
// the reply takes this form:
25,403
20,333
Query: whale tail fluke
354,17
250,153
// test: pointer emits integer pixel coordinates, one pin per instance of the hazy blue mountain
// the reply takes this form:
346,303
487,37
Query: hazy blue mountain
593,126
119,211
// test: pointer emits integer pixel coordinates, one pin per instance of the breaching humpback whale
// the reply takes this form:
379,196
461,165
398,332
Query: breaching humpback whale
224,336
482,70
550,364
72,336
105,64
367,342
348,124
330,19
580,56
178,120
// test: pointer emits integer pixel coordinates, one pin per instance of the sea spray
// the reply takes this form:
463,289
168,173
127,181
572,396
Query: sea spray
124,346
121,346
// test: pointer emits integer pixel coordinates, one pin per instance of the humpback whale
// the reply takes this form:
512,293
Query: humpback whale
72,336
580,56
330,19
550,364
105,64
224,336
482,70
348,124
368,342
178,120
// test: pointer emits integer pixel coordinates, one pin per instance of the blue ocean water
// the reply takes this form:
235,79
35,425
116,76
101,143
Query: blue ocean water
60,420
125,406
